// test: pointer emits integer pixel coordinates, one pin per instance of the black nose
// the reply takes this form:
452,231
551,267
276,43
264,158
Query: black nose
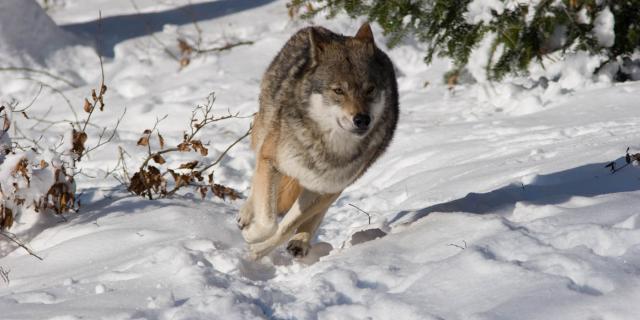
362,120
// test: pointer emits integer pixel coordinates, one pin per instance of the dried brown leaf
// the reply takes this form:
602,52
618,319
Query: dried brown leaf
197,175
173,173
60,196
197,146
184,61
62,201
79,138
452,81
22,168
147,181
144,140
184,147
223,192
87,106
7,124
6,218
180,179
185,48
155,179
137,185
158,159
161,139
189,165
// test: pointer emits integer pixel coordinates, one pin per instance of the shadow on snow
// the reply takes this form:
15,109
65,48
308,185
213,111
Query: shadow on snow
589,180
112,30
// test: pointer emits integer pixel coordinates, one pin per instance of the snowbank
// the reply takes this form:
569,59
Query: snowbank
29,43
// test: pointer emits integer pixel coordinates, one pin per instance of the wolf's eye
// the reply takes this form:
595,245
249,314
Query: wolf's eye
370,90
338,91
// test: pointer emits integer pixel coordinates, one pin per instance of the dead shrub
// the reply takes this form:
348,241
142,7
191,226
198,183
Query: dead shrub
149,180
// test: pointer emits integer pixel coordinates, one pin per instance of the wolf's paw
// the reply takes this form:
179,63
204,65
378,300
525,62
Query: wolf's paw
242,222
298,248
245,216
261,249
257,231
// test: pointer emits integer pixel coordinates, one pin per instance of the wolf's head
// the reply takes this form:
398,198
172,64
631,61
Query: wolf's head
347,82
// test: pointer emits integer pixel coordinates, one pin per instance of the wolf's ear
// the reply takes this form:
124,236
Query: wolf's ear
317,42
364,33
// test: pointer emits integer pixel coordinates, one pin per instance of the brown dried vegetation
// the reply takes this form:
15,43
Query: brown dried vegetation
149,181
155,176
60,196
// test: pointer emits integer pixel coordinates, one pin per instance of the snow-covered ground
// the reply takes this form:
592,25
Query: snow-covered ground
495,198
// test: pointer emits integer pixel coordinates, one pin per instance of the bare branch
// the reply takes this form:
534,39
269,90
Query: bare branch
368,215
224,153
122,165
12,237
149,180
14,110
4,275
102,142
152,34
227,46
43,72
64,97
459,246
220,157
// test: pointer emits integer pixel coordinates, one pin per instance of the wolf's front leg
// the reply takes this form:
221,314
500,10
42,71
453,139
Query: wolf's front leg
301,241
308,206
258,219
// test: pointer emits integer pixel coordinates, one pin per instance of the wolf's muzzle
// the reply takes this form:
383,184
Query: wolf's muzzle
362,121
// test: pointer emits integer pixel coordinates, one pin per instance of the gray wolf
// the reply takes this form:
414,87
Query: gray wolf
328,110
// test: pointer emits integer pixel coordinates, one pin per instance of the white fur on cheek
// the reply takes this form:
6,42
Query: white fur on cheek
326,116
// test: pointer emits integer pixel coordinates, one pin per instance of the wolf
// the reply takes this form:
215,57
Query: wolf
328,110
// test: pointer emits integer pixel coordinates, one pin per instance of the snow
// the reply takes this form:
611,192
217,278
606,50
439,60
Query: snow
492,202
583,16
603,27
481,56
33,40
482,11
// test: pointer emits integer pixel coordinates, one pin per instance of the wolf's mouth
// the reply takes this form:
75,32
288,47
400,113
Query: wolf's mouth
359,132
356,131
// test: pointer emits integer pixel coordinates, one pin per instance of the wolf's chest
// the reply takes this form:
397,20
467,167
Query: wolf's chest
318,176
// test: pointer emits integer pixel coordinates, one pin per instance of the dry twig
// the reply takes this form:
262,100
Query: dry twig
42,72
150,179
459,246
12,237
4,275
368,215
